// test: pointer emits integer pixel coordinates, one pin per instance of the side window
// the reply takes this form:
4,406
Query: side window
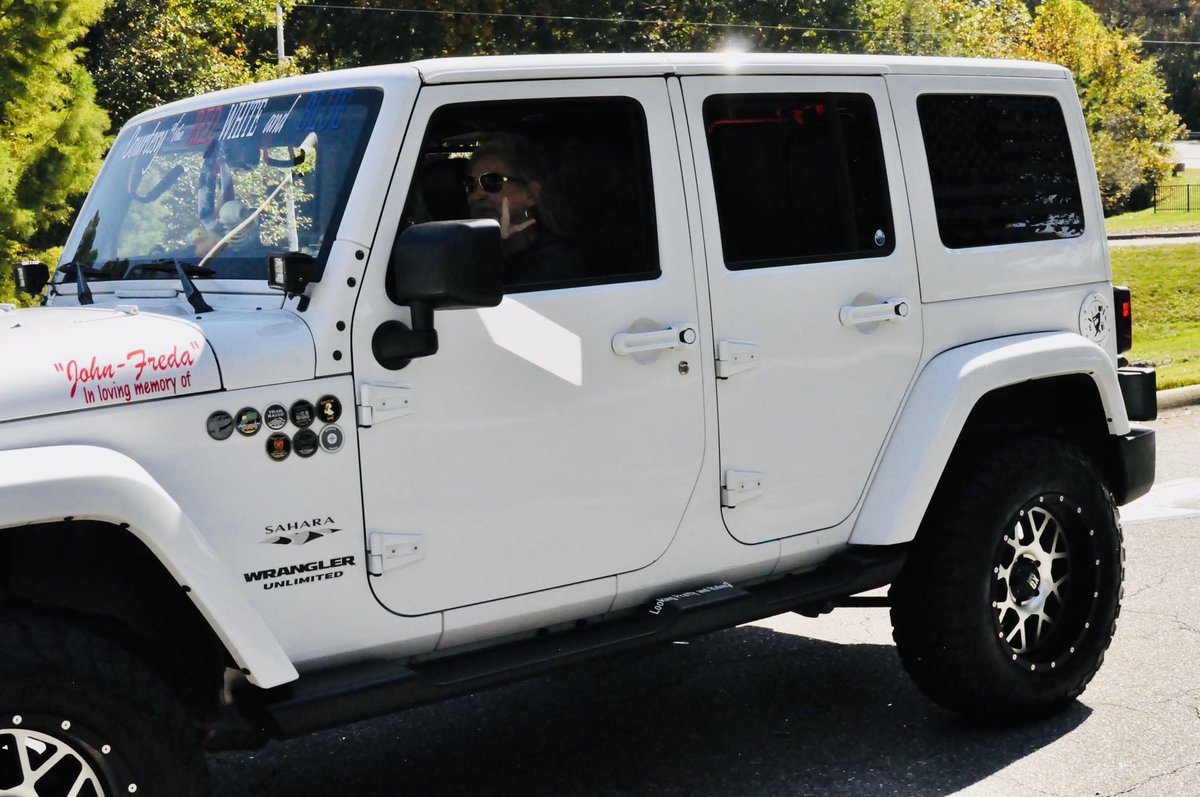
1001,168
569,181
798,178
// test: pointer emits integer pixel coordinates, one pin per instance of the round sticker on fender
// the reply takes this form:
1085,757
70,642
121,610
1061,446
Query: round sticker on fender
1095,318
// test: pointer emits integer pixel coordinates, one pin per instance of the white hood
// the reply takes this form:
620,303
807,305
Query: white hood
62,359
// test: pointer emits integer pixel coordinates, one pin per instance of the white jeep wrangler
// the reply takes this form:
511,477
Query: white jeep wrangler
327,413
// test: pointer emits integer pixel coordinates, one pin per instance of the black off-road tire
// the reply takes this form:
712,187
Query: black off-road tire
1012,588
78,711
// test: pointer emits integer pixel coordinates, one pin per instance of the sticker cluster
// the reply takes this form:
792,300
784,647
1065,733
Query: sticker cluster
280,445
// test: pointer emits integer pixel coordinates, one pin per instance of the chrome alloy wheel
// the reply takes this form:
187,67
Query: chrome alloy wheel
1043,587
35,763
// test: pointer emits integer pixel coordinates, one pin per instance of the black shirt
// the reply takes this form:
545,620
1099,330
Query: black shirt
547,260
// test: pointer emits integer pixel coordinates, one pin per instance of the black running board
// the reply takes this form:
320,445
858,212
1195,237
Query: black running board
347,694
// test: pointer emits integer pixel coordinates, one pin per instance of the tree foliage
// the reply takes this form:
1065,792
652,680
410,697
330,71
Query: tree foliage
51,131
1123,96
328,38
1121,91
148,52
1170,24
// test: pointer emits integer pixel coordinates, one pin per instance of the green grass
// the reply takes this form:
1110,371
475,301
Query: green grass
1164,220
1166,308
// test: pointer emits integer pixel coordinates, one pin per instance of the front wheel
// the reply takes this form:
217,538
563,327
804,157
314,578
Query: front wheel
1012,588
80,717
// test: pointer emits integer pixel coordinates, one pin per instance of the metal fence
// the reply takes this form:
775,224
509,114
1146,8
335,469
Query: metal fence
1177,197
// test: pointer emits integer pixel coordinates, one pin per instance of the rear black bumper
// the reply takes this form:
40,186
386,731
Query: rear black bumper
1139,389
1132,464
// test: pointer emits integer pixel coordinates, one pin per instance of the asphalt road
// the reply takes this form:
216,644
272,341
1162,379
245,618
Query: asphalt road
798,706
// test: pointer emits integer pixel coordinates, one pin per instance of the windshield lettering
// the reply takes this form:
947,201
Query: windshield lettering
204,129
224,186
242,120
324,111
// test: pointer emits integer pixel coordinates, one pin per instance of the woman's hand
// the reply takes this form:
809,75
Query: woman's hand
507,228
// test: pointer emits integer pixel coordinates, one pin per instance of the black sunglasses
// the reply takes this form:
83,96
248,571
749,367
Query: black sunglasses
492,182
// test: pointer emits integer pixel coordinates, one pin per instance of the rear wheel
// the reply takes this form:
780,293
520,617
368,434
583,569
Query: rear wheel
80,716
1012,588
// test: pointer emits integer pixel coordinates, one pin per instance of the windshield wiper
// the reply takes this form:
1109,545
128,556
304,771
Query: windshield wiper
82,271
182,270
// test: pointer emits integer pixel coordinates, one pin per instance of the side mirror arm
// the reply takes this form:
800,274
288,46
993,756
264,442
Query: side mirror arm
396,345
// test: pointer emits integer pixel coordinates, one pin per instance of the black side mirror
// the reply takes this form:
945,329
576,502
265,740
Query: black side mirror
440,265
31,277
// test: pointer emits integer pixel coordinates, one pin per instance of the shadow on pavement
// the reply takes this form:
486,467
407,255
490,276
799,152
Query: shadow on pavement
747,711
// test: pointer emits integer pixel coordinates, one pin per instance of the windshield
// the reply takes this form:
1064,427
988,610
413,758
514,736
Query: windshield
223,186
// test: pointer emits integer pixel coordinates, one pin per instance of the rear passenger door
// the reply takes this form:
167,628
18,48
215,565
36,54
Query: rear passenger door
813,282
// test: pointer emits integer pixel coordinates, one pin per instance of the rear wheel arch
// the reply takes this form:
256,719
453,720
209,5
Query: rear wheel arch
1067,406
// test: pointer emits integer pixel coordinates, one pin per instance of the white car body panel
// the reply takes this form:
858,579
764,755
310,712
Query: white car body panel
584,462
86,482
794,417
981,271
66,359
944,395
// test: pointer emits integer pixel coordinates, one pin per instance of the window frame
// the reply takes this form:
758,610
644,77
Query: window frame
638,145
880,178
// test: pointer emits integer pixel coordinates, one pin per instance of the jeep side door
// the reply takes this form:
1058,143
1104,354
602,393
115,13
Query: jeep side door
815,302
553,439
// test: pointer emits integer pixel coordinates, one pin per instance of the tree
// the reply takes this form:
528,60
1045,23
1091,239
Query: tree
358,33
1171,24
148,52
1122,93
1123,96
51,131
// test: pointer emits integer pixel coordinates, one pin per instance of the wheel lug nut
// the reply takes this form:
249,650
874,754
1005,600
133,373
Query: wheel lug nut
66,725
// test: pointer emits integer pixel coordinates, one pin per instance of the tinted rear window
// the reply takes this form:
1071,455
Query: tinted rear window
1001,167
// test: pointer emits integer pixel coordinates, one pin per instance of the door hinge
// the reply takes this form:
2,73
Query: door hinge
389,551
740,486
379,403
735,356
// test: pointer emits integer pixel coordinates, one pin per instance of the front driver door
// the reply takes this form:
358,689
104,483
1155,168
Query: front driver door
535,455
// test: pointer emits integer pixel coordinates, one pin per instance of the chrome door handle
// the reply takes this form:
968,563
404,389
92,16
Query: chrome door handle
891,310
674,336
